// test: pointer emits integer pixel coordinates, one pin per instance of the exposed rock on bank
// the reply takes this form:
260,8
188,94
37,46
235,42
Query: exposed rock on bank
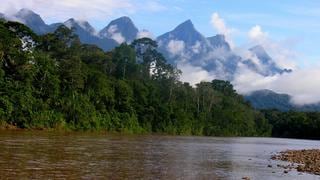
304,160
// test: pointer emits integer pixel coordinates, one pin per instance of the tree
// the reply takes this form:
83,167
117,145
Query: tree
124,57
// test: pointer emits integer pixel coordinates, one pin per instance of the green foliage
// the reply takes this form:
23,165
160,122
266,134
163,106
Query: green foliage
64,84
294,124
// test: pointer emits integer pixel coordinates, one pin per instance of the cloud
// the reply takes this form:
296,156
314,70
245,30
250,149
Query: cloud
256,34
281,51
196,47
219,24
194,74
302,84
154,6
60,10
247,81
93,10
145,34
115,35
176,47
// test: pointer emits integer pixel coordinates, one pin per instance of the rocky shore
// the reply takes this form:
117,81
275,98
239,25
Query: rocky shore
302,160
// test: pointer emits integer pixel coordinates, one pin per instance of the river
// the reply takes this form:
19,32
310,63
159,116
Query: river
51,155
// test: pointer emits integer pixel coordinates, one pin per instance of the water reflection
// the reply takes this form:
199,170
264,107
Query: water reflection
43,155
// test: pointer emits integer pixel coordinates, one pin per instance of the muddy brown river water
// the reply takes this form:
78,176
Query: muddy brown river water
51,155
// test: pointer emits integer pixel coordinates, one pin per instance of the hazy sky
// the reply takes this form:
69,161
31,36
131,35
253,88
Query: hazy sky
288,29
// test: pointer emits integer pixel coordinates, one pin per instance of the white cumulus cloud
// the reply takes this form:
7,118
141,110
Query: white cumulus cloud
256,34
219,24
145,34
194,74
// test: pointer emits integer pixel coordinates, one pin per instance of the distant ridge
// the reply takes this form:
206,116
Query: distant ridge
267,99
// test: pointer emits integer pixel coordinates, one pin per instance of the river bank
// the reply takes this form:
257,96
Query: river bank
302,160
6,126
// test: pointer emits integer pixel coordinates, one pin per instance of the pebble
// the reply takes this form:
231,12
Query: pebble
301,160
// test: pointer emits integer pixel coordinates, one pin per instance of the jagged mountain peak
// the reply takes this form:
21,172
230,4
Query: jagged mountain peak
219,41
79,24
185,32
25,12
121,28
186,25
70,22
88,35
28,16
124,19
32,20
122,23
260,52
265,65
184,44
219,37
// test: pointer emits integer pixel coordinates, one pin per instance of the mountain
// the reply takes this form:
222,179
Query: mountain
88,35
82,27
121,30
185,44
265,65
53,27
32,20
261,54
267,99
2,16
219,41
227,60
185,32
